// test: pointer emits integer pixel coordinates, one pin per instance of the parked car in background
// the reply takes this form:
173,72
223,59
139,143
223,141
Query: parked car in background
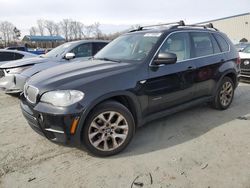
140,76
25,49
245,63
241,46
13,75
10,55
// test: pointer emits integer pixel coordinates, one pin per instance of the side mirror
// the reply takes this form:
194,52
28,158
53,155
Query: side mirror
70,56
165,58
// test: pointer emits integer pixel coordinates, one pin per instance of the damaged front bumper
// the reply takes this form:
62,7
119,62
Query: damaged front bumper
12,83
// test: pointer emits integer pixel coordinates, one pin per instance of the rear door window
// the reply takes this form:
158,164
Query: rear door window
98,46
202,44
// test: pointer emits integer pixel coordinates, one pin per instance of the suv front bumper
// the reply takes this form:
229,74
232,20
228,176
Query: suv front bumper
245,70
55,127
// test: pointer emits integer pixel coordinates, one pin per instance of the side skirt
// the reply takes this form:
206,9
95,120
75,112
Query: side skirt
176,109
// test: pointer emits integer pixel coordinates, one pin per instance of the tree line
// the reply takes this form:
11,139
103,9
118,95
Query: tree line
68,28
8,33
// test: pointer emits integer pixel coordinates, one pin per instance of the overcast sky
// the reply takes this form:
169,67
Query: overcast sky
116,14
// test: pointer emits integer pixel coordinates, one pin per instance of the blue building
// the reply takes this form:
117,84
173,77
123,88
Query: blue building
43,41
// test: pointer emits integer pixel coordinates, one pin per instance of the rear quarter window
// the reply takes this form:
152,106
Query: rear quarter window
224,46
18,56
6,56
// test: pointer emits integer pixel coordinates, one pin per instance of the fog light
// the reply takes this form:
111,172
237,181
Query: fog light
74,125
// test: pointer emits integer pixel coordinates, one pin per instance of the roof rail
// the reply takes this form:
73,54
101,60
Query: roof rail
205,26
180,23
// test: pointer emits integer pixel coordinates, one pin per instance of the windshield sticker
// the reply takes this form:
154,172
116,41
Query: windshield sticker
152,34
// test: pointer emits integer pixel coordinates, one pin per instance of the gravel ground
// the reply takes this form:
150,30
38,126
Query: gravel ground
199,147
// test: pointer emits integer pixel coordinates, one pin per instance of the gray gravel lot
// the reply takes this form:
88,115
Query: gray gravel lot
199,147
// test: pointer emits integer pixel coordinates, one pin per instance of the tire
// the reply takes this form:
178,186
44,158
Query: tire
224,94
109,129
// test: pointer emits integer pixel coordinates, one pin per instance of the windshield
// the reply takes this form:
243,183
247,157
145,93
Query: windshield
131,47
247,49
57,51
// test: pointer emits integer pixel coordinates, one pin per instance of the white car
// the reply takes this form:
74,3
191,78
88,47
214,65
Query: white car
10,55
245,63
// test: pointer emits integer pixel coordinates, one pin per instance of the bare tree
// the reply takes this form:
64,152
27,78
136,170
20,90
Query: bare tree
96,30
76,30
57,29
50,26
17,33
41,28
89,31
33,31
65,27
72,30
80,29
7,31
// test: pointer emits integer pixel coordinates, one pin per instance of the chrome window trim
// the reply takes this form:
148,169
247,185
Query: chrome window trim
187,31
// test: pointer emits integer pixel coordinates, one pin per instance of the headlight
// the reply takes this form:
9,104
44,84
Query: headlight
62,98
17,70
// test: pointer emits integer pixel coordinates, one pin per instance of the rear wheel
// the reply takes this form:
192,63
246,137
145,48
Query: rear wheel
224,95
109,129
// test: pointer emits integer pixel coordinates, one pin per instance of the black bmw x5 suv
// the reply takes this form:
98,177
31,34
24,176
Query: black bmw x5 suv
143,75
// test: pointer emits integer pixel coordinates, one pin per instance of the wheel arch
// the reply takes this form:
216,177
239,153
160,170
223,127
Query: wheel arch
128,99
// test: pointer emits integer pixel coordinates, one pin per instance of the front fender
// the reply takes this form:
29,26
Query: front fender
90,106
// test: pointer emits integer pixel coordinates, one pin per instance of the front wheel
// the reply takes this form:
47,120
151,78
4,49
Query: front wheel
108,129
224,95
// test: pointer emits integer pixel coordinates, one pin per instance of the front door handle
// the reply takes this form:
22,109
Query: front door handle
191,68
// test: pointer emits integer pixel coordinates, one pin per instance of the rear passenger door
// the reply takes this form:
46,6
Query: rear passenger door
207,57
172,84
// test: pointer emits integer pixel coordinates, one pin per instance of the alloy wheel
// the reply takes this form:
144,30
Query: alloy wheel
226,93
108,131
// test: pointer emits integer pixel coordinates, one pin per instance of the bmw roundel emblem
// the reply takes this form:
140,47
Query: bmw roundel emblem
246,62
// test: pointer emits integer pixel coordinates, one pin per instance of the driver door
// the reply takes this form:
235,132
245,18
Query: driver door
171,84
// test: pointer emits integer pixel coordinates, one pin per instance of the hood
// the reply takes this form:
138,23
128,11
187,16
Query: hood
63,76
24,62
40,67
244,55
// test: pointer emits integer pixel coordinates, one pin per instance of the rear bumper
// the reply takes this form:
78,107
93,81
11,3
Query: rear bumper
55,127
12,83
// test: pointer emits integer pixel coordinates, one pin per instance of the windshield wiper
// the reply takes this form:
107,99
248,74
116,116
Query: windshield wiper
107,59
